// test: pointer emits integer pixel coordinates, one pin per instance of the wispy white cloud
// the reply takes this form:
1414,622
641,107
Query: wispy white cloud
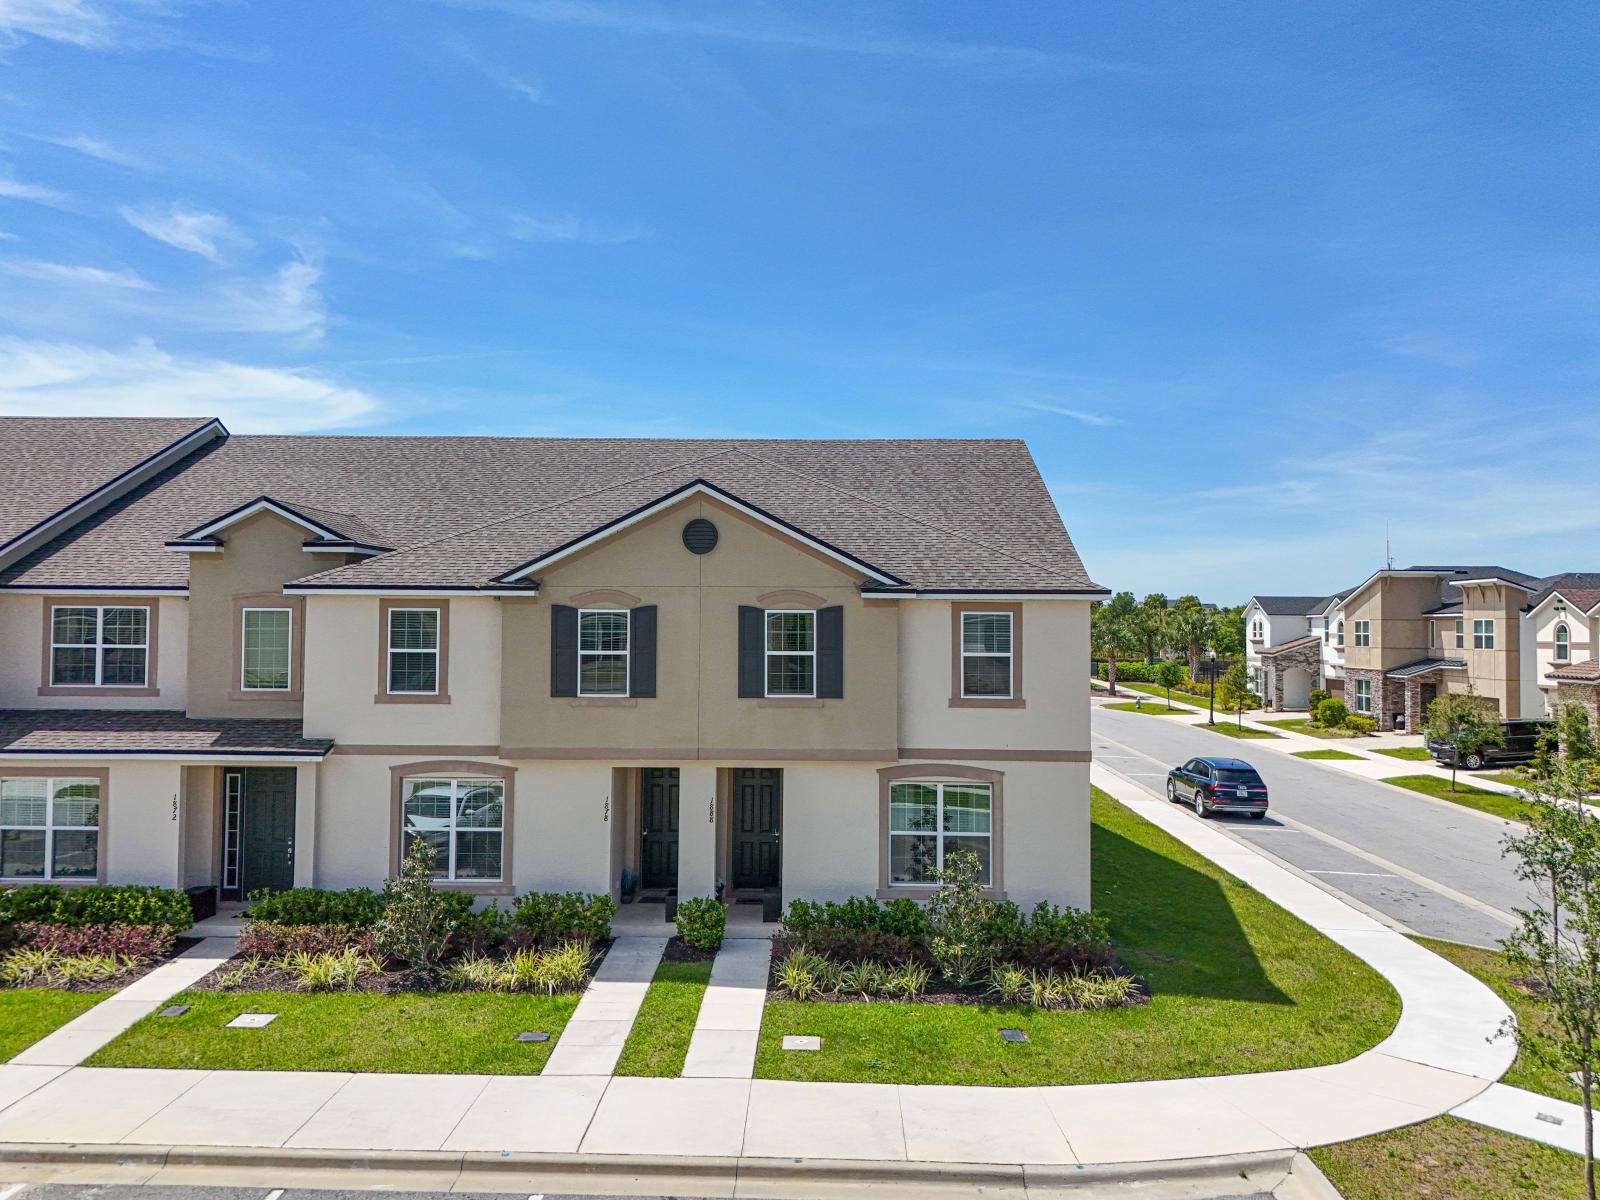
71,273
202,233
530,227
286,302
1438,348
97,148
89,24
1082,416
62,379
17,189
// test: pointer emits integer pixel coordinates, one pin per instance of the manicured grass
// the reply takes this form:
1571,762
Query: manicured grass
447,1033
1303,725
1157,710
1239,985
1491,967
660,1037
27,1014
1407,753
1510,778
1326,755
1495,803
1450,1159
1155,689
1228,729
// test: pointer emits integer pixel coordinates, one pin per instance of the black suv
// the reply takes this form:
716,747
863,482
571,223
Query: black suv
1213,785
1519,743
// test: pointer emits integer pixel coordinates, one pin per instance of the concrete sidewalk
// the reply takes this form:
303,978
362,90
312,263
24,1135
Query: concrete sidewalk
1441,1054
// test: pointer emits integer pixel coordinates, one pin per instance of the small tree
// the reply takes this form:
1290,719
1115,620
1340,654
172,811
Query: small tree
1464,723
416,923
957,915
1113,631
1169,674
1234,690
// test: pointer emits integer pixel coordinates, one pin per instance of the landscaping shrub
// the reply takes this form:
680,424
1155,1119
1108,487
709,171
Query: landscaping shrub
355,907
549,918
1316,697
902,917
1332,714
1138,672
871,945
29,965
327,972
264,939
417,921
559,969
1049,938
1057,989
959,941
1360,723
134,942
97,904
702,922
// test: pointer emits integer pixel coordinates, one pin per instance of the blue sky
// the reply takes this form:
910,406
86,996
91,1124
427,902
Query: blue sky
1256,282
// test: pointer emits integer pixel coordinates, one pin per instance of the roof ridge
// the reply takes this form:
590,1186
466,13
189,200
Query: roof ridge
906,516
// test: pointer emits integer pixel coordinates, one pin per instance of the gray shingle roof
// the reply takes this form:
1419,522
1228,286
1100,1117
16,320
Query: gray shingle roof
1291,606
146,731
1423,665
460,512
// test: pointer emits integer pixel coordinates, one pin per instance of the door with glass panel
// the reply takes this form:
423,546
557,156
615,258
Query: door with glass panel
258,830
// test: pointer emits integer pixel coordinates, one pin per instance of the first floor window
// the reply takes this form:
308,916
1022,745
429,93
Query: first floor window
99,646
462,819
602,652
413,641
1363,633
1363,695
927,821
791,653
986,655
264,658
1483,634
1563,643
49,828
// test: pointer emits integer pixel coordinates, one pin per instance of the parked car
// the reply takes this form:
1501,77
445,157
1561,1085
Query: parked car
1213,785
1519,744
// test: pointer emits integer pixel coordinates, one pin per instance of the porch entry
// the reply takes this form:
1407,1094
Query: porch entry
757,820
257,830
658,829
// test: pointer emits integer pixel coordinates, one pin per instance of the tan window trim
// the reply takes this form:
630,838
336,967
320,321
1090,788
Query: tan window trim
152,603
297,645
456,768
942,773
102,775
957,700
384,695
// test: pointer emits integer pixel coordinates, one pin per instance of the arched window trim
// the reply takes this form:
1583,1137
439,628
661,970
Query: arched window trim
1563,642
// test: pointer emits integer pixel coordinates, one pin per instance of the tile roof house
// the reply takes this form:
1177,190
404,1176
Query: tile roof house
774,667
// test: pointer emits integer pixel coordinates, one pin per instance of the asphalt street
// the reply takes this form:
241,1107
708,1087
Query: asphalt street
1434,867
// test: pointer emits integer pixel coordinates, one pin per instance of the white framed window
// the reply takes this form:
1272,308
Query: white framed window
1363,633
264,657
1433,633
986,649
1255,630
462,819
929,820
413,648
1563,642
1483,633
99,646
1341,633
1461,634
791,652
603,635
1363,695
49,828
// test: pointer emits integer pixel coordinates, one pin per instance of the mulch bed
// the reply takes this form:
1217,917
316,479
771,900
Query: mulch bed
679,951
114,982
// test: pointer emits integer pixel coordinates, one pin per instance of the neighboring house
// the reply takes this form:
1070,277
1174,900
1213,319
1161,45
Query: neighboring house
1285,652
1562,622
783,667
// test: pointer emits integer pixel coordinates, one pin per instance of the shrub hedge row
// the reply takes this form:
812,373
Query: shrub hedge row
162,909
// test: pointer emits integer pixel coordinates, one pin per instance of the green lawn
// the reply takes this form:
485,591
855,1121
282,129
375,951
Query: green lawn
660,1037
1407,753
1450,1159
1229,729
446,1032
27,1014
1510,778
1327,755
1495,803
1239,985
1155,689
1158,710
1304,725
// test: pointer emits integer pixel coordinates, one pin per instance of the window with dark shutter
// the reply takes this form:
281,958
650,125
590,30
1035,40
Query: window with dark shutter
752,651
830,652
642,652
563,650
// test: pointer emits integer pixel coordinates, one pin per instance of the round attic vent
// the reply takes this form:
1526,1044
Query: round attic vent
700,536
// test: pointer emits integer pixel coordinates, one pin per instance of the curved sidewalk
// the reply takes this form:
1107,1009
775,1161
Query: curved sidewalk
1441,1053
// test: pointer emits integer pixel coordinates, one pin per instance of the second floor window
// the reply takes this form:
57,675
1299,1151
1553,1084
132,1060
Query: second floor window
791,653
1563,643
1255,630
413,642
986,655
1363,633
264,661
603,652
1341,634
1483,634
1461,635
99,646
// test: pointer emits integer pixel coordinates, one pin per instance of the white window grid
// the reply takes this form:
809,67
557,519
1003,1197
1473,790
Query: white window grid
606,651
939,832
425,651
1483,633
1563,642
99,645
446,868
51,824
1005,654
1461,635
1363,633
1363,695
809,653
288,651
232,820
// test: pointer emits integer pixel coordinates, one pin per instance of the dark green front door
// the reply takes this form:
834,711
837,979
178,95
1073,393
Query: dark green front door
658,810
266,832
757,816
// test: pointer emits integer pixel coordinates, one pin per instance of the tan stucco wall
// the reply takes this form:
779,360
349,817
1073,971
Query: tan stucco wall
201,852
697,707
22,633
1495,674
1394,605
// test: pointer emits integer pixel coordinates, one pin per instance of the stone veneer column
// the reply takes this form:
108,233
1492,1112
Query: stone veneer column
1413,690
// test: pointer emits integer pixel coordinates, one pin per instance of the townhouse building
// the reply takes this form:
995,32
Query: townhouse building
767,668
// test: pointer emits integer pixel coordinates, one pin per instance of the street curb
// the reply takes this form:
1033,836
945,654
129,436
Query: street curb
174,1161
1306,1182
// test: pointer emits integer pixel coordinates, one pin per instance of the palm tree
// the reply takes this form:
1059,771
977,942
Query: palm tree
1190,624
1114,632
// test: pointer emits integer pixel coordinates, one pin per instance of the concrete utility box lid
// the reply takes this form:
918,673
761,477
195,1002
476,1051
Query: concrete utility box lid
801,1041
528,1036
252,1020
1013,1035
173,1010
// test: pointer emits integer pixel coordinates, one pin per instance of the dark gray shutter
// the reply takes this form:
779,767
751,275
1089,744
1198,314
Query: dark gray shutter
830,653
642,651
563,650
752,651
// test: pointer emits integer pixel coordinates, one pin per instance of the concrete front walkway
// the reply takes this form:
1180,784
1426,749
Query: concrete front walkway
593,1039
723,1044
1441,1054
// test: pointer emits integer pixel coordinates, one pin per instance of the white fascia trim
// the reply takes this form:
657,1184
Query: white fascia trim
152,756
192,547
359,548
978,597
1491,579
94,589
441,593
716,493
262,505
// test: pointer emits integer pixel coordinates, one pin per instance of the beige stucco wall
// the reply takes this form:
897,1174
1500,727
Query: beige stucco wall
1495,674
201,852
1394,605
144,820
22,632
